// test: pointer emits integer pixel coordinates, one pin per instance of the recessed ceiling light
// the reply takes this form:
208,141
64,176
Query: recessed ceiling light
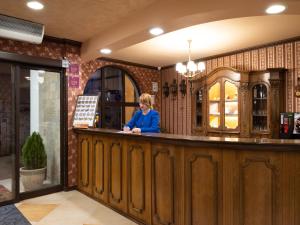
275,9
105,51
35,5
156,31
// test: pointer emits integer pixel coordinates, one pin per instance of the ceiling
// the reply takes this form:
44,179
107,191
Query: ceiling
214,26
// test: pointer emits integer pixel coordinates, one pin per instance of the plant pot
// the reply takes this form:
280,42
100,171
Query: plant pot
32,179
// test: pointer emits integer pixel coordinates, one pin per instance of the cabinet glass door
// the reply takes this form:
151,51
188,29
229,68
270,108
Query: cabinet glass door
199,99
259,108
214,105
231,106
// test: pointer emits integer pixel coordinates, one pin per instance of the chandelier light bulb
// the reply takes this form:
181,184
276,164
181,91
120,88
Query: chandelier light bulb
201,66
191,68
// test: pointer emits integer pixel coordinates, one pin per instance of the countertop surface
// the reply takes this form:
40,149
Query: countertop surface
184,138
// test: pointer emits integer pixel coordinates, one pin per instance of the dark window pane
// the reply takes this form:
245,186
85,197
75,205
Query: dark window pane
112,117
113,84
93,86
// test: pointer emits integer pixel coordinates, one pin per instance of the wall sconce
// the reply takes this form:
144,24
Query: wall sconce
182,87
166,89
174,88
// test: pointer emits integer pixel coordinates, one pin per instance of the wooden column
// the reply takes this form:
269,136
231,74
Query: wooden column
244,109
277,99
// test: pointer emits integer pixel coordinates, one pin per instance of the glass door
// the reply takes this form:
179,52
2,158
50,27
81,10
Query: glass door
231,106
7,133
40,111
214,99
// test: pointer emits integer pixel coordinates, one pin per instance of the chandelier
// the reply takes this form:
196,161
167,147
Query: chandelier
191,69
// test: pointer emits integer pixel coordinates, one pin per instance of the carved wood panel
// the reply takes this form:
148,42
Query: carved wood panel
84,162
99,169
201,189
136,178
139,180
258,194
115,173
163,186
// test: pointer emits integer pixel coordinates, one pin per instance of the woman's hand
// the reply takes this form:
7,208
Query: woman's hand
126,129
136,130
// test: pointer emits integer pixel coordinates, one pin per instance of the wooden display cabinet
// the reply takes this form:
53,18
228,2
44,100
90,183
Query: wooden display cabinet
228,102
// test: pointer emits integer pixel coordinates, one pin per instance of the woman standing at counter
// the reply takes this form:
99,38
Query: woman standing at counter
144,120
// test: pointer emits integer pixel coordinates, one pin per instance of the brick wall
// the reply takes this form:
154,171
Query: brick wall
53,50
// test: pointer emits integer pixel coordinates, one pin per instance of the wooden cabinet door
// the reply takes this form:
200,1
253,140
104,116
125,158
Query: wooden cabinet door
139,180
258,197
166,185
85,163
203,186
117,180
100,168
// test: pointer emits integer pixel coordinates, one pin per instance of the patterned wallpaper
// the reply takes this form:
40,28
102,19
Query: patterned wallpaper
53,50
176,112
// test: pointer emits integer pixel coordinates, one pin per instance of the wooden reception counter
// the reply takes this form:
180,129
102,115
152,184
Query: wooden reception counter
166,179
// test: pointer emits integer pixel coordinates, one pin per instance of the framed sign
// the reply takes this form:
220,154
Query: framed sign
85,110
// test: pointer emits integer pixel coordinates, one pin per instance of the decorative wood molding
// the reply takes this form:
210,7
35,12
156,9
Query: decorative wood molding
126,63
247,162
139,149
189,180
98,190
119,146
85,180
155,153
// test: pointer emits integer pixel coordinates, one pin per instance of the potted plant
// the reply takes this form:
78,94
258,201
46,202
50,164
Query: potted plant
34,159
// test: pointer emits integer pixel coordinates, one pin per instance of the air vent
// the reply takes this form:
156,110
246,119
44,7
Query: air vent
21,30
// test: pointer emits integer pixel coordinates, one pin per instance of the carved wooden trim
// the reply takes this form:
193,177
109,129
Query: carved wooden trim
155,153
101,189
121,164
142,151
193,158
273,169
84,183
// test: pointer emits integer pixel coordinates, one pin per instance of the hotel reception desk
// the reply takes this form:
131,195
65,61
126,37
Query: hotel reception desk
166,179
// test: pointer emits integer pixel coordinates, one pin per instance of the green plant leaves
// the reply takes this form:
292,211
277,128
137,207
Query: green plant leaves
33,152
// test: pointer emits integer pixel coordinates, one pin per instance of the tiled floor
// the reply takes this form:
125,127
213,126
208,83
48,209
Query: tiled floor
69,208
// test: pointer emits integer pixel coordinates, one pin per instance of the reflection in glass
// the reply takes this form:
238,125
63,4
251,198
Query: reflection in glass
7,134
131,93
199,97
93,86
40,112
231,105
231,122
214,105
214,92
112,84
214,108
260,107
231,91
231,108
112,117
214,121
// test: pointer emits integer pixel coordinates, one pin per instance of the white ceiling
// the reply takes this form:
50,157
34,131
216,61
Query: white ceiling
211,38
214,26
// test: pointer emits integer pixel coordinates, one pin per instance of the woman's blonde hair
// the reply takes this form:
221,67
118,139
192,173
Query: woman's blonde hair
145,99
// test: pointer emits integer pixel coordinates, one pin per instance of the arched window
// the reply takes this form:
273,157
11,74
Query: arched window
119,96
